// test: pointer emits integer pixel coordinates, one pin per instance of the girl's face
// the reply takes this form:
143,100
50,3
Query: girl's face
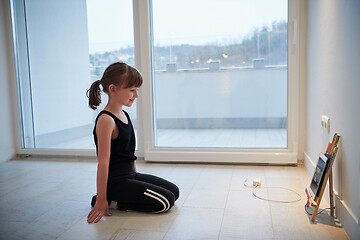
126,96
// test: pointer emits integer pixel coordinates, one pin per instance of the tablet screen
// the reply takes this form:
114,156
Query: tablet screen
319,174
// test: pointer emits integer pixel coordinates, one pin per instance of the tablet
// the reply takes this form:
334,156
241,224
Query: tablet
319,175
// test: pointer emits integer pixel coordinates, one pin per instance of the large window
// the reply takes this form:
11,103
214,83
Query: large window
220,75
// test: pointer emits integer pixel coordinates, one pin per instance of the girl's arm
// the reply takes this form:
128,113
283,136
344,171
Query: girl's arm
104,128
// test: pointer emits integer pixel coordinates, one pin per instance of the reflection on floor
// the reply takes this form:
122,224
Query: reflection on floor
51,199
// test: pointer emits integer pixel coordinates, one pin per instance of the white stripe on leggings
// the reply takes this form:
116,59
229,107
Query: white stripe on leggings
152,194
162,202
164,198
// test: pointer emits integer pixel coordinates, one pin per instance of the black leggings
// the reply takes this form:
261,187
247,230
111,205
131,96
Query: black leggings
144,193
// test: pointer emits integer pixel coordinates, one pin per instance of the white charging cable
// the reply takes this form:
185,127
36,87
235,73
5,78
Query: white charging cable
257,185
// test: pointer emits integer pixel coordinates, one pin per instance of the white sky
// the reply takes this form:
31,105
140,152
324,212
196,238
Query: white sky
179,22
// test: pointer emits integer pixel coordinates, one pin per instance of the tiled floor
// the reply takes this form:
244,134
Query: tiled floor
50,200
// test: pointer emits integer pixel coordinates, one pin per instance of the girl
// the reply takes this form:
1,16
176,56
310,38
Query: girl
117,179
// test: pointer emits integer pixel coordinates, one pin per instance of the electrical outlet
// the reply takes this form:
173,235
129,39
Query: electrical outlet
325,122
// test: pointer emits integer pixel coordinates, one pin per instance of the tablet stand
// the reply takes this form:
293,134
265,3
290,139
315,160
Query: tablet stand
315,201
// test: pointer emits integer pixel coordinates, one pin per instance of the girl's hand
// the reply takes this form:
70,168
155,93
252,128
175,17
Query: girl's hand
100,208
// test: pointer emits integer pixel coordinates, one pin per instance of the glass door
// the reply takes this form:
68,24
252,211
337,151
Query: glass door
220,74
62,47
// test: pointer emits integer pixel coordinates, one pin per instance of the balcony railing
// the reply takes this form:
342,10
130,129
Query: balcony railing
229,107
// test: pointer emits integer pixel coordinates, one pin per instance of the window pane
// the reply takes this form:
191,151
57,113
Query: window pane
220,75
64,38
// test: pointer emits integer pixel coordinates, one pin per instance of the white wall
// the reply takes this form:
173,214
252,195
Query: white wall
334,90
7,142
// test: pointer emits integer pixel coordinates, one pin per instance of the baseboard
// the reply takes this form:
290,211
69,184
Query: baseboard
347,217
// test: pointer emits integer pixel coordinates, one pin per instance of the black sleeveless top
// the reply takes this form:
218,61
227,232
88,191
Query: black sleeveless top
122,148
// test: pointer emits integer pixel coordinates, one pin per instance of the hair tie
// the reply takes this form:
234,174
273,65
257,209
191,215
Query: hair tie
98,82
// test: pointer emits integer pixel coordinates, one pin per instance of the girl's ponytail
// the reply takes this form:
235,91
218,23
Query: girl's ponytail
94,95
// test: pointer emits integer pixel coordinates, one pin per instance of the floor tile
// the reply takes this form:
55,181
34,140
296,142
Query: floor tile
196,223
207,199
147,221
106,228
139,235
